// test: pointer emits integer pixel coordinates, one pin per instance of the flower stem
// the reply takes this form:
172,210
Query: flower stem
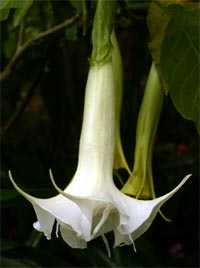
101,32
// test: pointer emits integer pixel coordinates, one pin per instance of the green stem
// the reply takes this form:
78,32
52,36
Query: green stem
140,184
101,32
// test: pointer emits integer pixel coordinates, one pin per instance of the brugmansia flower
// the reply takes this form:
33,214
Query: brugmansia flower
87,199
81,217
91,205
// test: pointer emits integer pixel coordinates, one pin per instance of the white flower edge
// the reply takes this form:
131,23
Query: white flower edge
140,213
129,217
74,225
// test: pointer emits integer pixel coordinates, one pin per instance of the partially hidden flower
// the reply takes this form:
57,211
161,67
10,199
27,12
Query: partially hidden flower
140,183
119,157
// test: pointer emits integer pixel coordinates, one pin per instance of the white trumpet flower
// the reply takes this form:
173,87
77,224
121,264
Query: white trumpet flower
92,187
91,205
81,215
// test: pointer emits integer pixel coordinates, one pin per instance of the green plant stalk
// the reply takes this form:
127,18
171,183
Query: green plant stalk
119,158
140,183
101,32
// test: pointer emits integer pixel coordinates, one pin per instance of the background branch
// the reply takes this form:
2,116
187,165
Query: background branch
21,32
22,48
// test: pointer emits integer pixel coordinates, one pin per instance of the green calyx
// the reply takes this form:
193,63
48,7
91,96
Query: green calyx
140,183
119,158
101,32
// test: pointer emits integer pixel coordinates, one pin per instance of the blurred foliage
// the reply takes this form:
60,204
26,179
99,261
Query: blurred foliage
42,103
175,49
20,7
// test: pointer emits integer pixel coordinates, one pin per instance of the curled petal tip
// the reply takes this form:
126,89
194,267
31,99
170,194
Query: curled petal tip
182,182
13,182
10,175
186,178
54,183
50,173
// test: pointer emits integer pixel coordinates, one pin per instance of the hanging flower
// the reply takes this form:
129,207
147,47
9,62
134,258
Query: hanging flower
91,205
86,208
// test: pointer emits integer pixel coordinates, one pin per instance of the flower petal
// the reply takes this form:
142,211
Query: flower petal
97,209
71,238
61,208
121,239
45,221
141,213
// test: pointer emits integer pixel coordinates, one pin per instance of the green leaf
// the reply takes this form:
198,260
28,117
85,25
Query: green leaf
3,3
4,9
17,4
157,21
21,7
175,50
20,12
180,60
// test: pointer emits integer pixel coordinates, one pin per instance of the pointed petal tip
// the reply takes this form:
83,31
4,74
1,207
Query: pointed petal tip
181,183
10,176
54,183
184,179
172,192
50,173
13,182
